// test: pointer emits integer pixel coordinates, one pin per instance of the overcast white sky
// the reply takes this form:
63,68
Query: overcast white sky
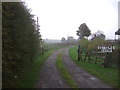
61,18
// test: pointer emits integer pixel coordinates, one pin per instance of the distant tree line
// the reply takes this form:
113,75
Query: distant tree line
21,39
70,40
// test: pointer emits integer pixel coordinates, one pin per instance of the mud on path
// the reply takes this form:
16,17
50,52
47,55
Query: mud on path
83,79
50,76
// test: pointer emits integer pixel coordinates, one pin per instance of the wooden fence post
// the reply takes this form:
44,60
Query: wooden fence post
106,60
89,56
96,60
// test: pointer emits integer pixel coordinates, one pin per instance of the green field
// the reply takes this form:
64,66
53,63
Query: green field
108,75
65,74
54,46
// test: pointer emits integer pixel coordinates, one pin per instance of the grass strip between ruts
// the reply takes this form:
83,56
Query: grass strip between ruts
65,74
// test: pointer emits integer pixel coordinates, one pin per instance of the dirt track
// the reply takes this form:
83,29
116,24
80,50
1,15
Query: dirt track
50,76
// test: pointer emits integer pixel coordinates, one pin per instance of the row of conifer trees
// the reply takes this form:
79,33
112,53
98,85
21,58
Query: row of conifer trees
21,39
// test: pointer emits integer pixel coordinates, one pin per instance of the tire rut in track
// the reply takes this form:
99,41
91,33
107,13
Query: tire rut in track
82,78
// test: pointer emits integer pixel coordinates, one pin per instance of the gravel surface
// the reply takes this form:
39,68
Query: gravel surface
82,78
50,76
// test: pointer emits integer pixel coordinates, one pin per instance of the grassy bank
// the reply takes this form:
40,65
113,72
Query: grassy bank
29,76
65,74
108,75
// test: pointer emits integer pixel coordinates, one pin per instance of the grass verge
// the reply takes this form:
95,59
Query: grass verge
107,75
65,74
29,76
